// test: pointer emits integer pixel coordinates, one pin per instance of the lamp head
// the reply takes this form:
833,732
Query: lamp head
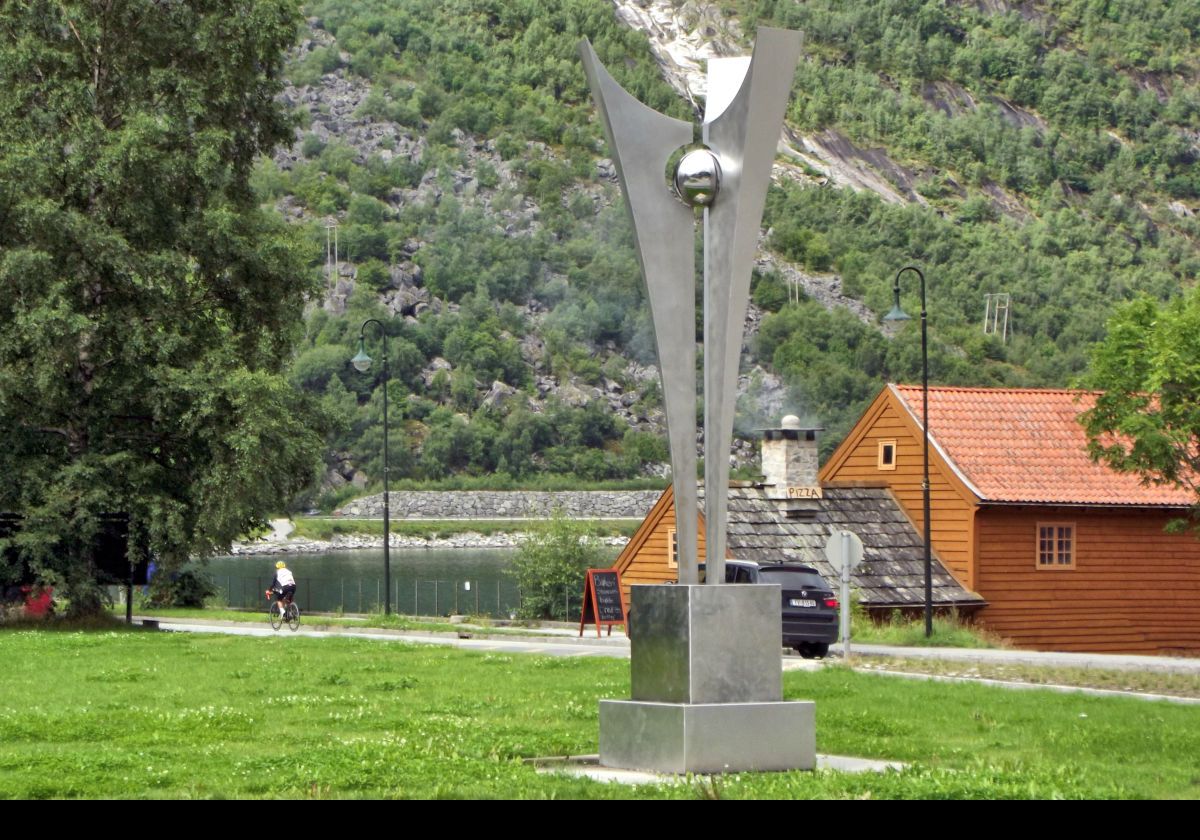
361,361
897,314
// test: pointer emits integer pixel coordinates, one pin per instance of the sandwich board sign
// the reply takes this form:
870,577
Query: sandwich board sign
603,600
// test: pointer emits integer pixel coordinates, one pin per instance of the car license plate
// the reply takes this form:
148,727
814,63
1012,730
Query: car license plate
803,602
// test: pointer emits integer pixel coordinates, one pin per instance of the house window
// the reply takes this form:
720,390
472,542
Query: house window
672,549
887,454
1056,545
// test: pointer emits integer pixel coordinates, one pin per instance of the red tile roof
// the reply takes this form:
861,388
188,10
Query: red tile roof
1026,445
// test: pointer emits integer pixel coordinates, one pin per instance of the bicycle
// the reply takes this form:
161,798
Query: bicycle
279,612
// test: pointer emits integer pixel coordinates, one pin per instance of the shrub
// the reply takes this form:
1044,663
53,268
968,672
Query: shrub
189,588
770,291
550,568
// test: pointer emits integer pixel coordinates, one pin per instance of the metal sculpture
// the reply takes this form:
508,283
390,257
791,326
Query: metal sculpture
727,177
704,661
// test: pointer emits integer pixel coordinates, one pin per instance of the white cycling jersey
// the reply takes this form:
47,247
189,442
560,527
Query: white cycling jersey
284,577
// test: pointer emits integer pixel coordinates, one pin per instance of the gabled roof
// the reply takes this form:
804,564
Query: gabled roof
1020,445
892,573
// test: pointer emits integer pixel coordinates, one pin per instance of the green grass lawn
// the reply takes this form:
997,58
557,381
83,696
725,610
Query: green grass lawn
141,714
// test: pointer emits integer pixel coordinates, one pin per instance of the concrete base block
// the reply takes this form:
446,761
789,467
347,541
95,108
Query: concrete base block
707,737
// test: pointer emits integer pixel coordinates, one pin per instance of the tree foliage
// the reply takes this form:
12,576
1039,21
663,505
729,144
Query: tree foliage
1147,419
148,305
1051,149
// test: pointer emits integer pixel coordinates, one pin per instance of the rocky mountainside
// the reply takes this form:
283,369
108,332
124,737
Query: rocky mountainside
451,177
332,108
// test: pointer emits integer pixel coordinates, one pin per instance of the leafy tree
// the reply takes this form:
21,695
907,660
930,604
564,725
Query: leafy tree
373,273
1147,420
769,291
148,305
316,367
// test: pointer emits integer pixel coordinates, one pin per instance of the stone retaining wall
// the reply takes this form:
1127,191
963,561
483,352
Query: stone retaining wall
352,542
512,504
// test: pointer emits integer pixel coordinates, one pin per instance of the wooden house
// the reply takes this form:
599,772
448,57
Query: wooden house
1068,554
788,517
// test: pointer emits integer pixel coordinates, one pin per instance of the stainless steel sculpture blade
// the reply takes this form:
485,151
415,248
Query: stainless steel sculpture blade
699,705
641,141
744,135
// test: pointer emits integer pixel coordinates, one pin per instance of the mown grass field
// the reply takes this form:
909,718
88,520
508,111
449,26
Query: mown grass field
141,714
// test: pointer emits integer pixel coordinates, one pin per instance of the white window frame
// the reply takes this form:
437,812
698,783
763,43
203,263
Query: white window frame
883,447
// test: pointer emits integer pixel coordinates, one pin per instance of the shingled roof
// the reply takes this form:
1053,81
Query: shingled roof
1021,445
892,573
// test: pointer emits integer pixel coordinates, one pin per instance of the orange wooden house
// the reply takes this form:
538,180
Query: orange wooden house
788,517
1067,554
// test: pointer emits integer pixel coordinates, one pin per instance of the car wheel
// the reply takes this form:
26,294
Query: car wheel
820,651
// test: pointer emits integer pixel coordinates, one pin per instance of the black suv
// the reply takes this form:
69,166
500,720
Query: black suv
810,609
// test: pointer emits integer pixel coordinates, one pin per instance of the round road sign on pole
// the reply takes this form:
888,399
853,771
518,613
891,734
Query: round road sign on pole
844,546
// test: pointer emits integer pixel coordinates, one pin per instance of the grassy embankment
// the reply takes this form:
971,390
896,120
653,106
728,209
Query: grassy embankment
117,714
948,631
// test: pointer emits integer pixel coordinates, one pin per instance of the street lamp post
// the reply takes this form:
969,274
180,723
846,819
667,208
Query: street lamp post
362,362
898,314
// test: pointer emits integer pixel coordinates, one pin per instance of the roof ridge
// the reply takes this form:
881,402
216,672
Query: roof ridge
990,389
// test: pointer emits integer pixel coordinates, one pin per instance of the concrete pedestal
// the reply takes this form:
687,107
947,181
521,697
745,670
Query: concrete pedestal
707,737
707,686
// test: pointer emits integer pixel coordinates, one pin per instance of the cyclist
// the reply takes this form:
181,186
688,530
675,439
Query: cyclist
284,584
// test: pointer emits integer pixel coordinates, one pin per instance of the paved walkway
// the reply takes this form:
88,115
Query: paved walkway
563,640
549,645
1105,661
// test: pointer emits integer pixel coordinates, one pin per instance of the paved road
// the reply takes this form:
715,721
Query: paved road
616,647
566,642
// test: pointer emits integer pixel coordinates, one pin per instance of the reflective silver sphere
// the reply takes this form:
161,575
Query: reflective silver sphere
698,178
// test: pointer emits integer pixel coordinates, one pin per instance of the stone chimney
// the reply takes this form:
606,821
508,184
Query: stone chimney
789,460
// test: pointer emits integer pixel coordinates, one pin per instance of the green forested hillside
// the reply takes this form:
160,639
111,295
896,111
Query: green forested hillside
1068,182
1046,151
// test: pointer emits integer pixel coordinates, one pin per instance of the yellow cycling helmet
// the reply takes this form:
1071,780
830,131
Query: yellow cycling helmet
281,565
